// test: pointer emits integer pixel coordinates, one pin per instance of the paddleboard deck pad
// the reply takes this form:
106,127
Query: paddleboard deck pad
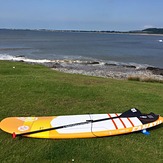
80,126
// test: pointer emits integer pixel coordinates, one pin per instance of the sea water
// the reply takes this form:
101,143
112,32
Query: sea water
84,46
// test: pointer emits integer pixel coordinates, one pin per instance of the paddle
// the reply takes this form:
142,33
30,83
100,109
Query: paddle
130,113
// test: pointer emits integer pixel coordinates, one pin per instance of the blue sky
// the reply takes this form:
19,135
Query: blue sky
120,15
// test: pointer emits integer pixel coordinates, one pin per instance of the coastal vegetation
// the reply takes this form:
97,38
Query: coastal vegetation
144,79
35,90
153,30
144,31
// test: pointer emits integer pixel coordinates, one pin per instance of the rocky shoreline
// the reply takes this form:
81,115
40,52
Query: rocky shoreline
108,70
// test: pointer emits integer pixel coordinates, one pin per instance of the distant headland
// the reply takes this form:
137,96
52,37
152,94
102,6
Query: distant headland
144,31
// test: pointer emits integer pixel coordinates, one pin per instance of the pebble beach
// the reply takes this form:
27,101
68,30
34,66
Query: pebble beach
96,68
107,70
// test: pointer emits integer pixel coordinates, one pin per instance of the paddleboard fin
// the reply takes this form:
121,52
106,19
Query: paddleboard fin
145,132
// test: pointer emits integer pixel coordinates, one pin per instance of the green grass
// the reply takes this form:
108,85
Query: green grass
34,90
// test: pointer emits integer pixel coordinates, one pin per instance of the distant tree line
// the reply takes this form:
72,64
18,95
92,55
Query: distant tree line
148,31
153,30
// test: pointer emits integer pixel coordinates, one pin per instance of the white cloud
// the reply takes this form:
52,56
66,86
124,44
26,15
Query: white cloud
148,26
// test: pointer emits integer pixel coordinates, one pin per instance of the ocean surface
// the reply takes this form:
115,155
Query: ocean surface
102,47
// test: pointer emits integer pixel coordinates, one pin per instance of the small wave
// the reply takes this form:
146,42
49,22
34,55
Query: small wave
22,58
5,57
73,61
14,49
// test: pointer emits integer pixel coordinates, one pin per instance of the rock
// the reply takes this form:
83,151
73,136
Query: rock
93,62
52,65
155,70
20,56
110,64
129,66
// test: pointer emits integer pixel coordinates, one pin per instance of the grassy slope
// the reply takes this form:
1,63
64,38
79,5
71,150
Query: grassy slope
29,90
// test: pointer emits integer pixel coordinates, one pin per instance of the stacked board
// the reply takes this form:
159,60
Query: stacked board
80,126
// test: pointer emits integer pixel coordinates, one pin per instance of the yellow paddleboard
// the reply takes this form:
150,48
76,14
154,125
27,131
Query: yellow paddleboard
80,126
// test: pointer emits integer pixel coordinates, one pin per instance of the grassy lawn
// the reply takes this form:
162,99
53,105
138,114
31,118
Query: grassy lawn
34,90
